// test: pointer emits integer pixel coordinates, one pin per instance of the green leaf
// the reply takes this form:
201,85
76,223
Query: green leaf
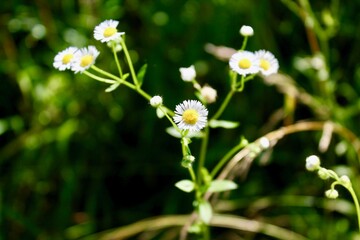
222,185
125,76
223,123
141,74
205,212
173,132
112,87
185,185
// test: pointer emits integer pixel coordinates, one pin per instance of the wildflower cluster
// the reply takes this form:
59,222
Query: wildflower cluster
313,164
246,62
190,117
80,59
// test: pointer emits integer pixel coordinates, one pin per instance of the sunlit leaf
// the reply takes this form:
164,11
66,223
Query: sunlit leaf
223,123
222,185
173,132
185,185
205,212
112,87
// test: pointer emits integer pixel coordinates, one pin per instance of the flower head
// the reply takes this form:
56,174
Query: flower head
188,74
312,163
246,31
190,115
64,59
84,58
106,31
244,62
267,62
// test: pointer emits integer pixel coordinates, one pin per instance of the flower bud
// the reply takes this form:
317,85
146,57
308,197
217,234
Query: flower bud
246,31
188,74
323,173
187,161
312,163
208,93
332,193
156,101
345,180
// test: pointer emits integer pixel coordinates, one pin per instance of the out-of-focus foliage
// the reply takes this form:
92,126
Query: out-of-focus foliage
75,160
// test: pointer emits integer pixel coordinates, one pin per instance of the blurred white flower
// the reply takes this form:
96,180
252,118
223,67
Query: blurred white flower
267,62
64,59
244,62
84,58
106,31
208,93
188,74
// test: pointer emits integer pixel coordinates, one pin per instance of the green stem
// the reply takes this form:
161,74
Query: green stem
202,156
105,73
244,43
128,58
225,159
122,81
117,61
351,190
100,79
223,105
192,174
144,94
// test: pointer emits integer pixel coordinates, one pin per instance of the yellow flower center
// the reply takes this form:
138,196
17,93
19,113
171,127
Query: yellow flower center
190,116
109,32
264,64
86,60
245,63
67,58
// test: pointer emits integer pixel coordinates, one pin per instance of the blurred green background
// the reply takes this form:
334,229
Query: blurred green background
75,160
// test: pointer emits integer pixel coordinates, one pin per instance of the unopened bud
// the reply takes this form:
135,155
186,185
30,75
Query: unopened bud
156,101
312,163
332,193
323,173
246,31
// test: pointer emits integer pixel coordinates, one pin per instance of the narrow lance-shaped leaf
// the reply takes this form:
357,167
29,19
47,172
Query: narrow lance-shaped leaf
141,74
223,123
112,87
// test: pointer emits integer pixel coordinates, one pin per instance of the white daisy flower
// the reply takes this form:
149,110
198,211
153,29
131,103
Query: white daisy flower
267,62
84,58
246,31
244,62
64,59
106,31
188,74
191,115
